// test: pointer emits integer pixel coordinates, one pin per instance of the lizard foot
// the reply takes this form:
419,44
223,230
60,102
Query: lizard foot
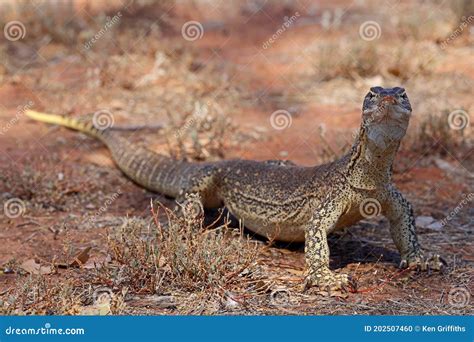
324,279
422,263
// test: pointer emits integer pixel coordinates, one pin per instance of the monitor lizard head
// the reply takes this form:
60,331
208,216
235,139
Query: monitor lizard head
386,113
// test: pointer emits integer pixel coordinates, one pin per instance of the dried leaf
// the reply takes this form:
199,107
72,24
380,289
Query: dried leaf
81,258
32,267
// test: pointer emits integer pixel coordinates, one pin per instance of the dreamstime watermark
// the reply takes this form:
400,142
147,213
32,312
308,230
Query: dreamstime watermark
370,208
377,113
14,30
280,296
156,72
331,19
467,199
103,119
192,206
102,295
459,297
14,207
108,25
105,206
370,30
255,6
46,330
19,113
458,119
286,24
192,30
281,119
465,22
391,4
199,113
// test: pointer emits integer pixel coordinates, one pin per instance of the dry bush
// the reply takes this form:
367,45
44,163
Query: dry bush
39,295
364,59
44,18
50,295
462,8
426,22
150,256
66,22
429,20
359,59
409,60
201,134
433,132
147,257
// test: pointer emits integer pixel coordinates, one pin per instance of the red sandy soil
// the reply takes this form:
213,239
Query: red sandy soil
87,168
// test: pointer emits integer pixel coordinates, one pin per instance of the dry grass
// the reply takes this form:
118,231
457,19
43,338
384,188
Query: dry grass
48,295
41,295
426,24
146,257
462,8
150,256
360,60
365,59
64,23
199,135
43,22
434,132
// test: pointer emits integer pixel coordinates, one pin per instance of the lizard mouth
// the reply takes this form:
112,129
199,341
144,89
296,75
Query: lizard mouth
386,113
388,123
388,110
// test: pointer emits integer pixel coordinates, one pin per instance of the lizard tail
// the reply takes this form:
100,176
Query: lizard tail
84,127
153,171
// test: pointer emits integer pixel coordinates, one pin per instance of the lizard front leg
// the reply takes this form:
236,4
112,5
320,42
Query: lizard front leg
197,193
317,251
399,212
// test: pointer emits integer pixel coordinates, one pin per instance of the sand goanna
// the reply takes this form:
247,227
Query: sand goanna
287,202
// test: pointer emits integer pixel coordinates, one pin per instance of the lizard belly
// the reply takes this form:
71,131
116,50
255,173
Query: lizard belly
279,232
292,230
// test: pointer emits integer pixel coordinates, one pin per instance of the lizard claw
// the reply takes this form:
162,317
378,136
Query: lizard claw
329,281
436,262
422,263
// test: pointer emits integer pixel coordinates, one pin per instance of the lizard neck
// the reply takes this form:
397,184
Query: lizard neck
371,158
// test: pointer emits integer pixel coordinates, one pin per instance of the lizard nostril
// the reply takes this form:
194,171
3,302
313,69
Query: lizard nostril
389,99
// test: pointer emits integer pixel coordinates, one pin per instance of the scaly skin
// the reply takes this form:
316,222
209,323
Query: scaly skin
286,202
